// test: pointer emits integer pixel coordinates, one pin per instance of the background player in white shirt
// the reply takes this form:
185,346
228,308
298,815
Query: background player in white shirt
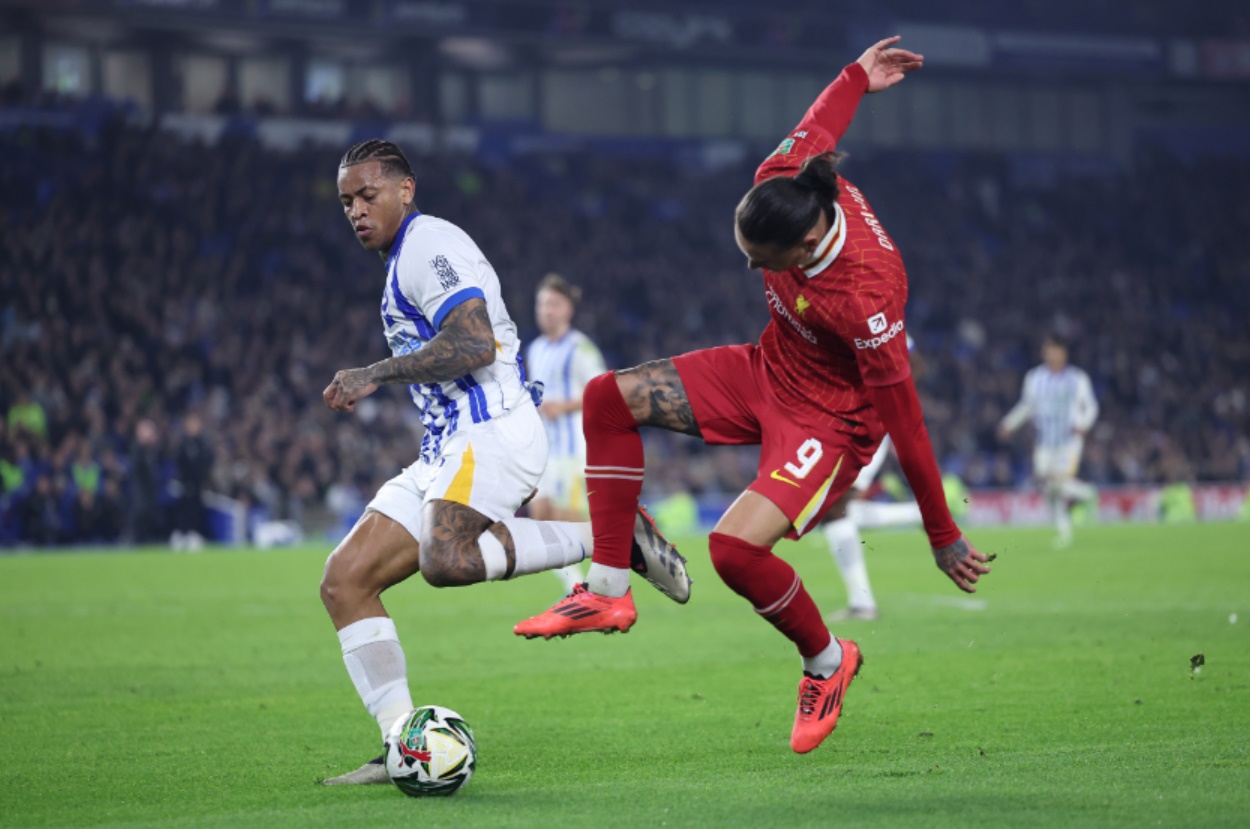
851,514
1059,399
564,360
450,515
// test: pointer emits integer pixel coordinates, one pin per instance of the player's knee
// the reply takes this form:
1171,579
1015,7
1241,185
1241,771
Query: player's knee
442,567
436,575
334,589
602,399
329,594
343,584
732,559
433,570
598,391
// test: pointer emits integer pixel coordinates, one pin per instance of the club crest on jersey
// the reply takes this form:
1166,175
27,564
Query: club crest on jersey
447,276
801,305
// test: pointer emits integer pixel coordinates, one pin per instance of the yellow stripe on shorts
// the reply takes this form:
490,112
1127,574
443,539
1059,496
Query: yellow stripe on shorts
577,501
462,485
818,500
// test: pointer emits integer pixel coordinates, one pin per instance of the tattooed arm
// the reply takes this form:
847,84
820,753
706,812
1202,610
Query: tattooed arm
465,343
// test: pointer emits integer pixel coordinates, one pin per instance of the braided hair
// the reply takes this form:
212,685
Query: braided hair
780,211
394,162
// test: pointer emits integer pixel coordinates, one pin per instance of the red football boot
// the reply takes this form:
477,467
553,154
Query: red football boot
581,612
820,701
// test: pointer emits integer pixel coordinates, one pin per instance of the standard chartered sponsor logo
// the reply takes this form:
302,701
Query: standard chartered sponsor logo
781,309
877,342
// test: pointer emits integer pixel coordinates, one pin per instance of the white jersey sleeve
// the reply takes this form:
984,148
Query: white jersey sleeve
440,270
1084,404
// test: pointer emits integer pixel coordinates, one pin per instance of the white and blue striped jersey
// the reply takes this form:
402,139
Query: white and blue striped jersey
564,367
433,267
1058,402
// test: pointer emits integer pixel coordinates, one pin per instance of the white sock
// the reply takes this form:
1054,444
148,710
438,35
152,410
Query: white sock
867,514
1059,509
570,577
375,662
607,581
539,545
825,663
1077,490
848,552
1063,521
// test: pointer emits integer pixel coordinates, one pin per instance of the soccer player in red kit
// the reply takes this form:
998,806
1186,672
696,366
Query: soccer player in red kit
828,379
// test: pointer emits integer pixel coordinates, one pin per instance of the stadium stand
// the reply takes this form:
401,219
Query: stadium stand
146,277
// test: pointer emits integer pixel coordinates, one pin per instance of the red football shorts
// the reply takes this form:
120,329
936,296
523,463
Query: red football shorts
804,469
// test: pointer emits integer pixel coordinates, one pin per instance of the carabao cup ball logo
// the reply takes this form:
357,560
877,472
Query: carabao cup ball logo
430,752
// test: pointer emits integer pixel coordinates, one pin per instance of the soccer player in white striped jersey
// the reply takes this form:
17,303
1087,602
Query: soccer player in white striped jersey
1059,399
851,514
564,360
451,514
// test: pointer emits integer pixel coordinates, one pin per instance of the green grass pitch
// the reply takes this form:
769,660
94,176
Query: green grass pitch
148,689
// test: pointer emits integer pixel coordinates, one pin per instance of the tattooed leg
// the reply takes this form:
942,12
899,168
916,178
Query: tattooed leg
450,551
461,546
656,397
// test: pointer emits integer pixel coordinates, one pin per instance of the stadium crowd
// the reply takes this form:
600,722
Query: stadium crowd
170,312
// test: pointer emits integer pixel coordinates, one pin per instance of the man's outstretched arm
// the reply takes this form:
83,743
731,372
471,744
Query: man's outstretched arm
899,407
822,127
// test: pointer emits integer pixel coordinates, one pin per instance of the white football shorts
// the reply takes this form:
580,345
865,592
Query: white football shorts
1058,462
491,467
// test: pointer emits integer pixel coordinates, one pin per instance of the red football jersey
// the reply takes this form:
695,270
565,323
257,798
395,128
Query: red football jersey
837,323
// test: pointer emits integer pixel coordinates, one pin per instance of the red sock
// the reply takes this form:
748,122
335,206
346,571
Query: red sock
614,467
773,588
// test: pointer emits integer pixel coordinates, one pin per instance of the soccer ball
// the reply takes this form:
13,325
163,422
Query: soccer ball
430,752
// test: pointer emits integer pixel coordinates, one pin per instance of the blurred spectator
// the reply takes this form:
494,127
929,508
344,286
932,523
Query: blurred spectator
26,414
146,520
89,519
41,514
86,471
193,463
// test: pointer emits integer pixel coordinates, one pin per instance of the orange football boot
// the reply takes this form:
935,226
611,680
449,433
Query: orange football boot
820,701
581,612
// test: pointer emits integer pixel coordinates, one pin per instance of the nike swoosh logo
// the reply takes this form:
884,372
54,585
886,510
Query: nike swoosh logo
777,476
